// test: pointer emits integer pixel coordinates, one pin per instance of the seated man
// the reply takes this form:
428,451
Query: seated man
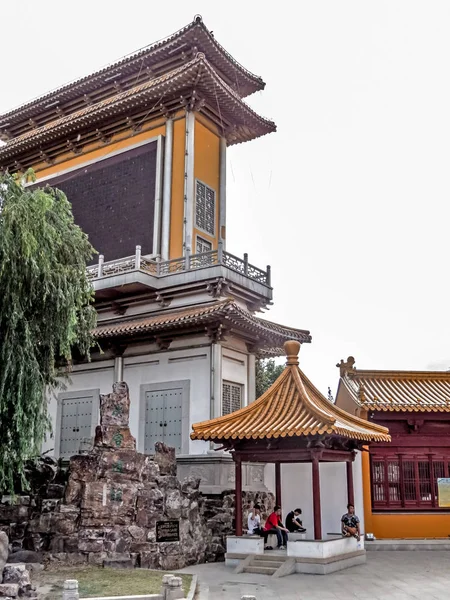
254,521
293,522
350,523
274,525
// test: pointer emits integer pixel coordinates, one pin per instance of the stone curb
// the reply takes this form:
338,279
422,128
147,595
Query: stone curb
193,588
139,597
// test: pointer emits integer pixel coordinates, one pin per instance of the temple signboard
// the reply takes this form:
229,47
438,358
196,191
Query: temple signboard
444,492
167,531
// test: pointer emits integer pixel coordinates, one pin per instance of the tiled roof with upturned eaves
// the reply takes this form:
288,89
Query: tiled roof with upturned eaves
397,391
244,123
226,311
196,33
291,407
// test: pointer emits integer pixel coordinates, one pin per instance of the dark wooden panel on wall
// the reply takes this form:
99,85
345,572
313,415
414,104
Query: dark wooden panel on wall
113,201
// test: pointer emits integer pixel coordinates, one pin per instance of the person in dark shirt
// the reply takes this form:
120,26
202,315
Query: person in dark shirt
293,522
350,523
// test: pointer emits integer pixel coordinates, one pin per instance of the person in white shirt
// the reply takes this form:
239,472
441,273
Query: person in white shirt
254,521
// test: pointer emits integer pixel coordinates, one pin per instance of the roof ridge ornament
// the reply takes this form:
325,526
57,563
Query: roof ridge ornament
346,367
292,349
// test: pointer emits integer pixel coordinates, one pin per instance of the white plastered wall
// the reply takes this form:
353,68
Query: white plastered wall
296,492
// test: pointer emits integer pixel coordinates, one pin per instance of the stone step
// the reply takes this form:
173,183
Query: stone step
260,570
279,558
272,564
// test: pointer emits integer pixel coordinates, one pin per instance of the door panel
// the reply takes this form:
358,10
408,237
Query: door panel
172,418
163,414
76,420
154,420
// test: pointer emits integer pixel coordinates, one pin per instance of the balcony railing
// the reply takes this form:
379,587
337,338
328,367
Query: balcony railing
190,262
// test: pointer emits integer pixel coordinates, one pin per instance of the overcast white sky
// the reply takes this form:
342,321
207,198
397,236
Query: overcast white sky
349,200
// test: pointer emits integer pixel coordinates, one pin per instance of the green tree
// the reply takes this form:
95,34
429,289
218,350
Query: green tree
267,372
46,312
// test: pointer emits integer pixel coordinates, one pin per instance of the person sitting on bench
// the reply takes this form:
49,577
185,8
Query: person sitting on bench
293,522
350,523
254,521
274,525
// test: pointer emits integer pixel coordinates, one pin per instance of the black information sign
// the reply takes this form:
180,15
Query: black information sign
167,531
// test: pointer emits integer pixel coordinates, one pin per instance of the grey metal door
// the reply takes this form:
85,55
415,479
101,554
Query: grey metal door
163,410
76,422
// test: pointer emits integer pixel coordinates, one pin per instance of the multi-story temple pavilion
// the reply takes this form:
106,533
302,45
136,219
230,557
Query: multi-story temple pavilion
139,148
403,481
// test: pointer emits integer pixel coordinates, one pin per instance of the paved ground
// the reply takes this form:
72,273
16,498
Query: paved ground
385,576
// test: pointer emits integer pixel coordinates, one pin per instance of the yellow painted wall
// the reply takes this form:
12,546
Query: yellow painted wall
207,169
411,526
403,525
177,204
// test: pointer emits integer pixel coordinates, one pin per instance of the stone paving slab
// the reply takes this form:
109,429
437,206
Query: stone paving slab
417,575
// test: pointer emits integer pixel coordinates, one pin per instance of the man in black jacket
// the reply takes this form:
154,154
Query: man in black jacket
293,522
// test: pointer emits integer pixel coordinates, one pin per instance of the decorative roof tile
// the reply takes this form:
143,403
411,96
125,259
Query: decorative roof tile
247,124
291,407
397,391
227,311
195,34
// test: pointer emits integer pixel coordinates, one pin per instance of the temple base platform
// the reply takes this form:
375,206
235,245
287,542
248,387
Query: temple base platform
246,555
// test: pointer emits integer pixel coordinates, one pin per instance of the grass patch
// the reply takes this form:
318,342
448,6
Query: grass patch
99,581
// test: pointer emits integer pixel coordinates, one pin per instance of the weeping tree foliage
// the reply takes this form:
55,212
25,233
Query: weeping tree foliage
46,313
266,373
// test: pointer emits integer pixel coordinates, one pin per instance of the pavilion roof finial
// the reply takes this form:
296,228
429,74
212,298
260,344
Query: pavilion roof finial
292,349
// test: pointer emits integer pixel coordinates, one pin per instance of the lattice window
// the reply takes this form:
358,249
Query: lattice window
205,207
407,481
393,469
231,397
202,246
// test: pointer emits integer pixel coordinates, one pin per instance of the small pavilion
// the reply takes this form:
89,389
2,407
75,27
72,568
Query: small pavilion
292,422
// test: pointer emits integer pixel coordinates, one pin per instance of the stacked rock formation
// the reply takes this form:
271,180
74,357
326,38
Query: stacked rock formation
14,578
115,496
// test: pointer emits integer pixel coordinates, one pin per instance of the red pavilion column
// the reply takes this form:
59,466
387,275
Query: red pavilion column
316,499
238,496
278,483
350,490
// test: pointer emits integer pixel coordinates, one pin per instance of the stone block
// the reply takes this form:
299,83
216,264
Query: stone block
55,490
114,437
171,563
4,549
115,407
246,544
137,533
17,573
173,504
119,563
97,558
165,459
83,467
73,491
89,545
66,523
9,590
170,548
149,560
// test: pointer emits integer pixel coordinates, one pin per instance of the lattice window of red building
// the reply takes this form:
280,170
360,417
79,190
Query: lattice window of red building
403,482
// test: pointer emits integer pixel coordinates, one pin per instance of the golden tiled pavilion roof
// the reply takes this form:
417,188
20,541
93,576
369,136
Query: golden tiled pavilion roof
397,391
291,407
228,312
